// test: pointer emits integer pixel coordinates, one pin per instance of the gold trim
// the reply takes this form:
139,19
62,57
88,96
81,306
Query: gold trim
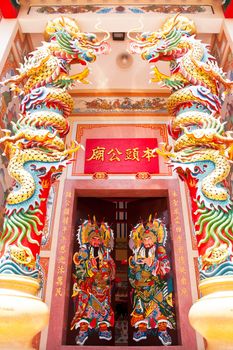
216,284
19,283
107,93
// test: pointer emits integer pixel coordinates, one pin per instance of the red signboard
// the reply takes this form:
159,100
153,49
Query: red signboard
121,156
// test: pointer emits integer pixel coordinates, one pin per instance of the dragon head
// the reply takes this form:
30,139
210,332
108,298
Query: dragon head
75,46
164,44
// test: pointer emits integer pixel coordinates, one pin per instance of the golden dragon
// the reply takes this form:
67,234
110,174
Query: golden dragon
35,146
202,150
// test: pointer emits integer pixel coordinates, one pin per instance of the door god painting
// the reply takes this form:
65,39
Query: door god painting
149,267
93,276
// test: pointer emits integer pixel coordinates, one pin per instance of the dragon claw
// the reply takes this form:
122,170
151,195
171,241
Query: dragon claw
165,151
35,147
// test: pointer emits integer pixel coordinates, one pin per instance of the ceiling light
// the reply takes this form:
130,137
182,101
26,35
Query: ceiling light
124,60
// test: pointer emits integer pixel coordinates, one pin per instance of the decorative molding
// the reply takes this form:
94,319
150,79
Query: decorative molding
120,9
120,104
143,176
100,176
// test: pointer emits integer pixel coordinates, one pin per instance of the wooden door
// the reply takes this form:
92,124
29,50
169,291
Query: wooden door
140,209
123,214
103,210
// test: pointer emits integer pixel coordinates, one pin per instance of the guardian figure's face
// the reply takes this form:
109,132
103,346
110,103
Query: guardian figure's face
95,241
148,242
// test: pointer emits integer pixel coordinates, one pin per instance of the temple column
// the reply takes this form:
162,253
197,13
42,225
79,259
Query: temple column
18,294
22,313
212,314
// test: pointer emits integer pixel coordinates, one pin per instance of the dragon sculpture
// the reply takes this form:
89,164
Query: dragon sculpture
203,149
35,146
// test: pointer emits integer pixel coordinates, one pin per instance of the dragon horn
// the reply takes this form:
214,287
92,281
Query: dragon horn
167,28
135,30
107,36
175,22
150,217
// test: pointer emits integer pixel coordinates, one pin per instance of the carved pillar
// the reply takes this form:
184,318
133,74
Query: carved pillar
202,157
37,154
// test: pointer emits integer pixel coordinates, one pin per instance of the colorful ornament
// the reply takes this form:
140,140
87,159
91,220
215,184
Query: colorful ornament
93,276
35,147
152,288
203,150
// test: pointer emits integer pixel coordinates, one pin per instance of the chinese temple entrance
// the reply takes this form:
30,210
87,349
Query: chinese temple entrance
122,214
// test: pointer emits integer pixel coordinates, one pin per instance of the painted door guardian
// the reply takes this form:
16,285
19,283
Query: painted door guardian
94,273
151,295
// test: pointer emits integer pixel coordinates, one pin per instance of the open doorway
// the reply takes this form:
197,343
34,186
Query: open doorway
122,214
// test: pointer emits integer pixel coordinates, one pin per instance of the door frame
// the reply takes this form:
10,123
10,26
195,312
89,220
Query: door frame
61,283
